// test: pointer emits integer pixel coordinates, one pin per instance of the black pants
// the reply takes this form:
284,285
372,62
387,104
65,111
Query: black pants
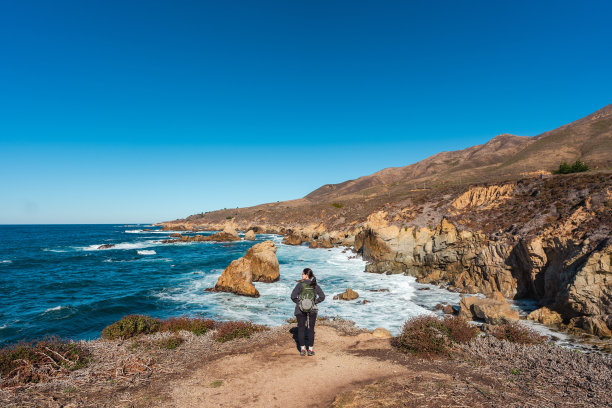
301,321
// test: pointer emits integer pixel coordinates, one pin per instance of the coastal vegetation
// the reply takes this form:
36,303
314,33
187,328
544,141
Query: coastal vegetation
40,361
431,335
576,167
517,333
136,325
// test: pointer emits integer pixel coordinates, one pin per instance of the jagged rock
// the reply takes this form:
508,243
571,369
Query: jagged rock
382,333
545,316
493,310
592,325
293,239
483,197
349,294
264,263
250,235
321,243
590,292
260,264
106,246
237,278
387,267
175,235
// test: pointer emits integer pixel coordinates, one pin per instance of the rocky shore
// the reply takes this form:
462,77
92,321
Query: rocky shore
543,238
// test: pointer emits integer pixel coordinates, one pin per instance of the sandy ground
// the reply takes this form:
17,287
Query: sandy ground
275,375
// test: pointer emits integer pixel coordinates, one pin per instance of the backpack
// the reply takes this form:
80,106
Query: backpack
307,298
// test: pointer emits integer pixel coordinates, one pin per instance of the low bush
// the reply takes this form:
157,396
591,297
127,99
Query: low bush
196,325
431,335
577,167
337,205
227,331
517,333
40,360
130,326
170,343
459,330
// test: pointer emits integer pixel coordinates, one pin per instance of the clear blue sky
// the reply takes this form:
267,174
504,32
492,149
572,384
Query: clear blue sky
143,111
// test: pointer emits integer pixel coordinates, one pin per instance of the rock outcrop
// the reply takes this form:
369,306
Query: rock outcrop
545,316
264,263
237,278
293,239
259,264
348,294
382,333
493,310
250,235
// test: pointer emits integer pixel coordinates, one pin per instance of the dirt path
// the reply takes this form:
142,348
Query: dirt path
276,375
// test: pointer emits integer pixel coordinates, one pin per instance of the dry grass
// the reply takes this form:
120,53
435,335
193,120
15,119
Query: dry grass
39,361
517,333
227,331
431,335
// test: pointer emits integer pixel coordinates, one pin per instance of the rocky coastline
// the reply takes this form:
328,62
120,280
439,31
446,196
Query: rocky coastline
546,239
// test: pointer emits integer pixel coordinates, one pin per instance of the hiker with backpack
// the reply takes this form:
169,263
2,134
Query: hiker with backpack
306,295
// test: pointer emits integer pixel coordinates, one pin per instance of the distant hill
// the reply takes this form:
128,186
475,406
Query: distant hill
505,156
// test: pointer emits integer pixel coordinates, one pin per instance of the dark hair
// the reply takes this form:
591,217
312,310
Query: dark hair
313,279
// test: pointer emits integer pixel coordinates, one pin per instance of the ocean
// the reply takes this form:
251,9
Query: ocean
55,280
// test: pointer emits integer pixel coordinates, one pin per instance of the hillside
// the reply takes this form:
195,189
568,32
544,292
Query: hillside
488,218
505,156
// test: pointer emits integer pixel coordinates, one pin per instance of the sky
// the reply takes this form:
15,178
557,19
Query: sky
145,111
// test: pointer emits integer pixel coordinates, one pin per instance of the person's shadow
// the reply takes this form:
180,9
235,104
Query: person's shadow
294,332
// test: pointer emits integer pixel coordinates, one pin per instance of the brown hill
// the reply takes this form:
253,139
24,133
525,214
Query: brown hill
505,156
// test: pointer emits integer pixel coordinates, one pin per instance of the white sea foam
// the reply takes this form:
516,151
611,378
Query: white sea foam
138,231
335,272
6,261
55,309
146,252
123,245
54,250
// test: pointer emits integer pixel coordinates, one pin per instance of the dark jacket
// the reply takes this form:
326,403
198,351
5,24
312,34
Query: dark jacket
295,296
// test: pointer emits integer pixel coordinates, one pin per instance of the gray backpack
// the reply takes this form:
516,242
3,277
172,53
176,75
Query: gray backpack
306,301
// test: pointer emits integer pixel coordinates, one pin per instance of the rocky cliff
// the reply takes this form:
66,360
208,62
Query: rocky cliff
488,218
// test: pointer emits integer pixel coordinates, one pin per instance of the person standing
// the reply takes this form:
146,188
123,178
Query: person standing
306,295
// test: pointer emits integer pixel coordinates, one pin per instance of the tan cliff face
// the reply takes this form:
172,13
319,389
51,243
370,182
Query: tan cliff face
541,238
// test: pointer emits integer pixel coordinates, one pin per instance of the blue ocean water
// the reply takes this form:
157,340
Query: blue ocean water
54,279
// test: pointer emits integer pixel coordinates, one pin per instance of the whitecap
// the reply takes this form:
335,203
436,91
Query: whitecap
55,309
6,261
54,250
4,326
137,231
123,245
146,252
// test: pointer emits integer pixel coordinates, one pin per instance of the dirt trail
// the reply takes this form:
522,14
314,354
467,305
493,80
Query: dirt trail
275,375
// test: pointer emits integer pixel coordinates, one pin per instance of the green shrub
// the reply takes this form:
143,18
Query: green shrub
431,335
130,326
517,333
196,325
577,167
337,205
170,343
40,360
227,331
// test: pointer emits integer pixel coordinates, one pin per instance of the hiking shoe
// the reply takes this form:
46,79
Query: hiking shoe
310,353
302,353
